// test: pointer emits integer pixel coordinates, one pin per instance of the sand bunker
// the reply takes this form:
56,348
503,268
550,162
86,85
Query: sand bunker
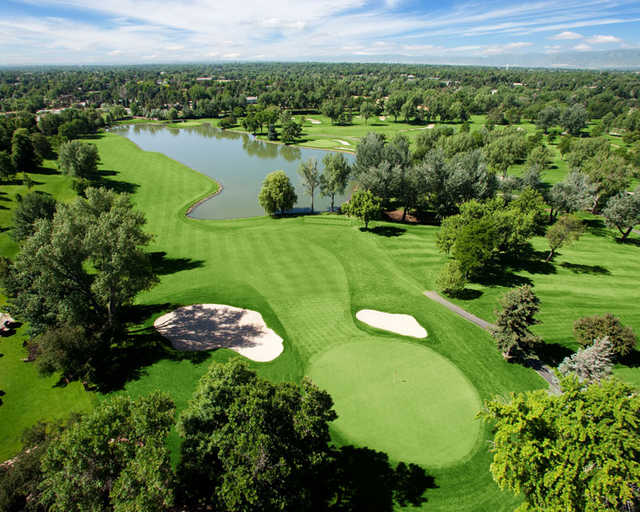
343,142
210,326
405,325
313,121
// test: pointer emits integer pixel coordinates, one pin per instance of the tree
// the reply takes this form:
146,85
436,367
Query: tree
565,231
610,175
78,159
505,151
623,212
590,364
277,193
512,333
539,157
31,207
364,206
23,154
367,110
590,328
578,451
574,119
252,445
310,174
394,104
290,132
370,152
335,176
333,109
451,279
40,145
571,195
115,458
83,266
547,117
7,170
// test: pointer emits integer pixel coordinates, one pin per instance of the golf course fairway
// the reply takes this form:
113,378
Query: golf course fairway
402,398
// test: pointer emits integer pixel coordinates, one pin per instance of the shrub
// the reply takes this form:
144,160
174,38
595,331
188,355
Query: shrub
590,328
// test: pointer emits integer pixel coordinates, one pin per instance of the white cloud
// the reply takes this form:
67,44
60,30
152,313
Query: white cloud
604,39
582,47
566,36
505,48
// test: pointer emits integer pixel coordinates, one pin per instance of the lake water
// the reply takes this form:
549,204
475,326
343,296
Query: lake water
239,162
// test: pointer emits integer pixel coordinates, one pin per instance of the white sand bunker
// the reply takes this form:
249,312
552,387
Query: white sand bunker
405,325
209,326
313,121
343,142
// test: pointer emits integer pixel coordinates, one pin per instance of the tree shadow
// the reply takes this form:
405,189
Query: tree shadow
632,359
595,227
585,269
498,276
46,171
468,294
628,241
388,231
163,266
121,187
552,354
363,479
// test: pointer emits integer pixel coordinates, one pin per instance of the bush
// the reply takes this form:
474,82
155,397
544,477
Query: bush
590,364
451,280
590,328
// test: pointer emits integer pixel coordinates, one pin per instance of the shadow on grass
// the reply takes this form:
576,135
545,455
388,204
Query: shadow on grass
585,269
364,479
388,231
596,227
632,359
497,276
468,294
163,266
552,353
629,241
115,185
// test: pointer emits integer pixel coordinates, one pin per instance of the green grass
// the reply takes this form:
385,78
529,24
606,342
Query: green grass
384,384
308,276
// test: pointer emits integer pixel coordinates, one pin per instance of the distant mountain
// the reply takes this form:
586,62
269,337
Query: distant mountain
608,59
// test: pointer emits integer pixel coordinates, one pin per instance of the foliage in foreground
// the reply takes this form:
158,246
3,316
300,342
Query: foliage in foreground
577,452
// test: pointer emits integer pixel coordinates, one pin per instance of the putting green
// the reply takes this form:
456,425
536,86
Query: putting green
402,398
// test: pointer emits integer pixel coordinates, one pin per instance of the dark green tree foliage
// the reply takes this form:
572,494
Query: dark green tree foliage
20,480
547,117
610,175
291,131
31,207
363,205
78,159
23,154
83,266
573,194
576,452
590,328
335,175
574,119
7,170
41,145
114,459
367,110
252,445
428,139
277,193
623,212
512,333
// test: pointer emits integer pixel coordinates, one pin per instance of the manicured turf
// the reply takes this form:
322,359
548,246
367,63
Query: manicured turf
307,276
402,398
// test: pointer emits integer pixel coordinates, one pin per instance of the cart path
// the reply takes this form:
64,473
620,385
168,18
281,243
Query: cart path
545,371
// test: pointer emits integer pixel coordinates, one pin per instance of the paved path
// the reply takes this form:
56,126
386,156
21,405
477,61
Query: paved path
541,369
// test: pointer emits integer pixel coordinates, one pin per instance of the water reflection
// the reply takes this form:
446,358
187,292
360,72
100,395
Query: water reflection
238,161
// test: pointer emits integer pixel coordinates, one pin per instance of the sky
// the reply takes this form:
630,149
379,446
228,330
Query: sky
163,31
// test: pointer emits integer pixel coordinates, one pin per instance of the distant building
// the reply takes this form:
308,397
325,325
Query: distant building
251,100
204,79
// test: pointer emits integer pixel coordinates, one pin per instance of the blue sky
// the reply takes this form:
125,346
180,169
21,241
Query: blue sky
147,31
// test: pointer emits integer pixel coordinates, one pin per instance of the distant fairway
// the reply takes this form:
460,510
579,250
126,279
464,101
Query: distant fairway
401,398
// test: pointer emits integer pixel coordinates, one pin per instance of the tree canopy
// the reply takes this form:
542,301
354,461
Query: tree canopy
277,193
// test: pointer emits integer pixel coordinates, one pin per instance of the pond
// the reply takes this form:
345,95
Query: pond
239,162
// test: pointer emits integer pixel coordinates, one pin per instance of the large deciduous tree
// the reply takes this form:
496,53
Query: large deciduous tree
114,459
78,159
252,445
574,119
83,266
576,452
277,193
31,207
23,154
565,231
